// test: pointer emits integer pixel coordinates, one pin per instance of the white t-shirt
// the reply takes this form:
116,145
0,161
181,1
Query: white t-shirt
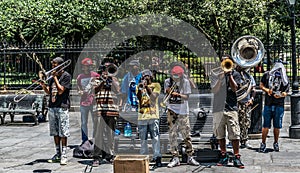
177,104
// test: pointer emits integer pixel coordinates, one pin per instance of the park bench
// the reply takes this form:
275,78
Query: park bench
33,104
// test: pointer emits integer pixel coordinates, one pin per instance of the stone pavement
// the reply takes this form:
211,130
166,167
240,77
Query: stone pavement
25,148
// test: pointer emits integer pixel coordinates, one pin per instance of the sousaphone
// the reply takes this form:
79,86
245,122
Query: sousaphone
247,51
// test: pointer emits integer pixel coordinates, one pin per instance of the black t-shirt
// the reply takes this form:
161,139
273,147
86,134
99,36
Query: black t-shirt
277,86
63,100
231,98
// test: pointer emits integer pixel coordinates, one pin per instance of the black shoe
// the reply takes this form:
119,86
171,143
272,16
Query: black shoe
237,162
158,162
262,148
276,147
223,160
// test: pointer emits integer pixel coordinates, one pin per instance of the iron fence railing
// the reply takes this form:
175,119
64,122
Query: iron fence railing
18,67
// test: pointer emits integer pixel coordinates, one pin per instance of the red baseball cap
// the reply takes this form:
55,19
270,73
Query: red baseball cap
87,61
177,70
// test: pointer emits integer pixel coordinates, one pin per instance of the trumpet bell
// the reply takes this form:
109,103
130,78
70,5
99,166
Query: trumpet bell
247,51
112,70
227,65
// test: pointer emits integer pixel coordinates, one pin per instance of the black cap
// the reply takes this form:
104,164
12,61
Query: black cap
58,60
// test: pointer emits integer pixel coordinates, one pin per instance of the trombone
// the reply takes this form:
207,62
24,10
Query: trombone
168,95
42,75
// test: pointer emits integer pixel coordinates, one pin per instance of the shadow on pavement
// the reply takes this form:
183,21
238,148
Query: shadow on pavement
37,161
268,150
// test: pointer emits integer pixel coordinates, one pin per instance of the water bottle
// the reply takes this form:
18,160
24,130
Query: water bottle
127,130
117,132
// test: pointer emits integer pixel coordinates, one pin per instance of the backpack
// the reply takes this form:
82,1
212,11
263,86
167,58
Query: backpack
85,150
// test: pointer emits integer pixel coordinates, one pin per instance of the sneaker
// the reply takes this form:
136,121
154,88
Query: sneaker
174,162
276,147
262,148
63,160
54,159
245,145
237,162
95,163
223,160
192,161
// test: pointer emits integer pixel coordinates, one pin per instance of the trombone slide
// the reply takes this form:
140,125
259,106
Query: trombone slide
47,74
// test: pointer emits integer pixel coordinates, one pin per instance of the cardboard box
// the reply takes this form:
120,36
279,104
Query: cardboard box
131,164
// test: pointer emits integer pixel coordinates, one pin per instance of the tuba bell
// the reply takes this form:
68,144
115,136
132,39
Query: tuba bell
247,51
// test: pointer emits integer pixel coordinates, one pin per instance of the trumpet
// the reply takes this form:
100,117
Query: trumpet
142,85
111,69
44,77
226,66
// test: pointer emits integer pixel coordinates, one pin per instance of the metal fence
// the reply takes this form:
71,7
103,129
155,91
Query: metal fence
18,68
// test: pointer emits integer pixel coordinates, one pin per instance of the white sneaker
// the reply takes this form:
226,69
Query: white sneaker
63,160
192,161
174,162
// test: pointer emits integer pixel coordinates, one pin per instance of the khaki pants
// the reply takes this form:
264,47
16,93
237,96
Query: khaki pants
104,130
179,123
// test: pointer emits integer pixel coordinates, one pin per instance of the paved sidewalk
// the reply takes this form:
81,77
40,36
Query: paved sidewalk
25,148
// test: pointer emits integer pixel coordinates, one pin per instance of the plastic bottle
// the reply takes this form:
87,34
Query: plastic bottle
127,130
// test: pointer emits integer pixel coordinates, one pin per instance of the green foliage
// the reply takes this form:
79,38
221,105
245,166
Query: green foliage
53,22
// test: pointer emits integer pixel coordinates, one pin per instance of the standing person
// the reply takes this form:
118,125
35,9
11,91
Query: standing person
244,106
85,82
105,116
148,115
59,103
178,114
128,86
229,118
276,85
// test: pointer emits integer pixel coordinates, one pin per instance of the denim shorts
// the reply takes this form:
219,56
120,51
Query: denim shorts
59,122
274,113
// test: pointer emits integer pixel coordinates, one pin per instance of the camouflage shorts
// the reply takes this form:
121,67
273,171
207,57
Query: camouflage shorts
59,122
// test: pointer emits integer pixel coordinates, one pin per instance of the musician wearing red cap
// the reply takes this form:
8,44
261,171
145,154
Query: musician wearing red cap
85,85
179,88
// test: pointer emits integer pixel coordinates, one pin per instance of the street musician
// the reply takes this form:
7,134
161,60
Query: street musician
179,88
59,103
105,115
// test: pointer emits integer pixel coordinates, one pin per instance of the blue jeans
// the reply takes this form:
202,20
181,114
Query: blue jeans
273,112
153,128
85,110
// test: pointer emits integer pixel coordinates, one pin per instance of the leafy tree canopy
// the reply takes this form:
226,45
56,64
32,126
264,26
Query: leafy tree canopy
221,21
